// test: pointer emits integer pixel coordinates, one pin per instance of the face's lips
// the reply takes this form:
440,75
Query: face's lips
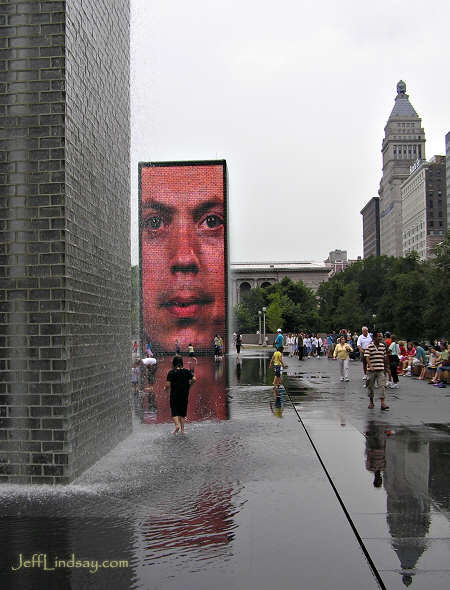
187,306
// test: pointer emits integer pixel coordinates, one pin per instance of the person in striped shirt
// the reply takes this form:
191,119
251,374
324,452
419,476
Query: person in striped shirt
376,359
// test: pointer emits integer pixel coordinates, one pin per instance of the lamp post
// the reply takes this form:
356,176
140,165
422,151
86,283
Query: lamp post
259,331
264,309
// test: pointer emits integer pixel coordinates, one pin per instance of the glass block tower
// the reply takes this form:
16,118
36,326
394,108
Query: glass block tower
64,236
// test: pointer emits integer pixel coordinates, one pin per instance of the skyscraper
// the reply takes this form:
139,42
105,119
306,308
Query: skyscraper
447,175
64,236
424,207
403,144
371,227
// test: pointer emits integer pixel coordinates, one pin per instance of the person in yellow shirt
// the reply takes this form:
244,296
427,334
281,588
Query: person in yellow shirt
277,362
341,352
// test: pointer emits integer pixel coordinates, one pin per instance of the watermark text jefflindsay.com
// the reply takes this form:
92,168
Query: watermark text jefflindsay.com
49,564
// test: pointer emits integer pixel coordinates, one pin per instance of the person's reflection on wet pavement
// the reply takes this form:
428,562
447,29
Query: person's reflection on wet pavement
238,372
277,405
376,451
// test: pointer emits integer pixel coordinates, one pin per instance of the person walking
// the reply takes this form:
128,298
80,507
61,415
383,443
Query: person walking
179,380
238,345
150,364
376,360
387,343
279,341
307,342
394,360
362,343
319,345
341,352
291,345
216,347
300,346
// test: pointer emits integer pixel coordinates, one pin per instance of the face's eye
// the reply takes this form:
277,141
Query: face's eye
213,221
154,222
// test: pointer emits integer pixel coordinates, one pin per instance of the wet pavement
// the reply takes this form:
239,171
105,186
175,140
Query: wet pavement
308,490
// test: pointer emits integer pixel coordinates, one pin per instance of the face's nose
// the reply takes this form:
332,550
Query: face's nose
184,250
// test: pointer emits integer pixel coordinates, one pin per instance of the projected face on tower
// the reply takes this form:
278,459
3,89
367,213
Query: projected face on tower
183,254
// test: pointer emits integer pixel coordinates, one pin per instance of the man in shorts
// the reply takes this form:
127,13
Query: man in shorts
376,359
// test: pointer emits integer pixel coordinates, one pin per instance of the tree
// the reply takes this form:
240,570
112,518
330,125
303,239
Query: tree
274,314
349,311
329,294
436,311
243,320
408,320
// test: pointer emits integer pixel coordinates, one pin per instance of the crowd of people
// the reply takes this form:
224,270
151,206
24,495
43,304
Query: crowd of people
384,357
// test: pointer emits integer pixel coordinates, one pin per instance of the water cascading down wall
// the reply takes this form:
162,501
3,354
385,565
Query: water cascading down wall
64,236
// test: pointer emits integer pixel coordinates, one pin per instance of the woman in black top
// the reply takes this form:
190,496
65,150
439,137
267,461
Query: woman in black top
179,380
238,343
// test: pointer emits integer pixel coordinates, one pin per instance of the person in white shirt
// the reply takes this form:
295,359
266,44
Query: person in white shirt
363,342
150,363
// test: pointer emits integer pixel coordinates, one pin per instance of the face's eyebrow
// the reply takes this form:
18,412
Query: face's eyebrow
205,207
166,209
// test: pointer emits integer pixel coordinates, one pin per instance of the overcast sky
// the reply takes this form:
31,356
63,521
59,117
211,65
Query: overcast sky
295,96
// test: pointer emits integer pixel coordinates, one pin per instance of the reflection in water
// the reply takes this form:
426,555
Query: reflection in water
238,372
416,471
277,405
408,501
251,371
206,522
207,397
376,452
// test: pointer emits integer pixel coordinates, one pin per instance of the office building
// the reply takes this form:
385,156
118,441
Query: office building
403,144
424,207
371,228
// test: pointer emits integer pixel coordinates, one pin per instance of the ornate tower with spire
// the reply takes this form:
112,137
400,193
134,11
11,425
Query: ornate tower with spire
403,144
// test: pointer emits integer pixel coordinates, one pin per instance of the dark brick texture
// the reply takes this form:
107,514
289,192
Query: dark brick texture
64,236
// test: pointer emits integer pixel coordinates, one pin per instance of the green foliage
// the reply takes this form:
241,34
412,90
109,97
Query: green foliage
349,309
406,296
243,320
290,305
274,314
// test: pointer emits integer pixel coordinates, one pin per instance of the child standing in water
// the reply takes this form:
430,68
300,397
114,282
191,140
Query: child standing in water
277,362
179,380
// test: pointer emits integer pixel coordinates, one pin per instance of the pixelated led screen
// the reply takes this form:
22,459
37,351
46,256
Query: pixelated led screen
183,254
